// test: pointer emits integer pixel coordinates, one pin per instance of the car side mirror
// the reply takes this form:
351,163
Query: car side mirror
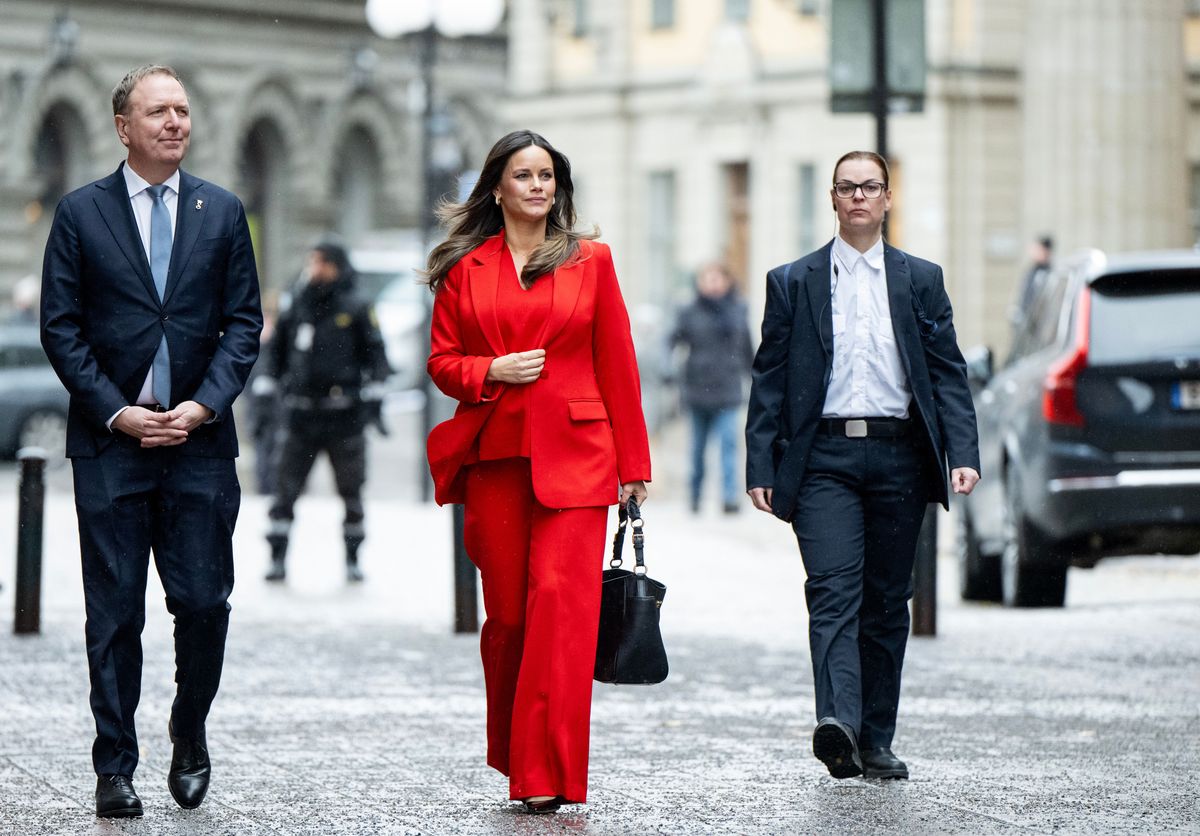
980,365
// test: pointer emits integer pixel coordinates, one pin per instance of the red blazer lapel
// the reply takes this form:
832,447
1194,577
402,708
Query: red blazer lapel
568,281
483,280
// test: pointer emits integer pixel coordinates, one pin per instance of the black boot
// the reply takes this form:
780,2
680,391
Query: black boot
279,544
353,573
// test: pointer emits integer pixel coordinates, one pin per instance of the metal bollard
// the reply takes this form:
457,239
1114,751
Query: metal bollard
32,500
466,607
924,602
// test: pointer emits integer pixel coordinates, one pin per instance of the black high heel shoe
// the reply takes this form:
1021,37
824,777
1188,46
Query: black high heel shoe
541,806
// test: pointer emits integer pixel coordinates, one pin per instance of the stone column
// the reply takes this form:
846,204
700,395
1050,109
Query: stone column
530,44
1104,104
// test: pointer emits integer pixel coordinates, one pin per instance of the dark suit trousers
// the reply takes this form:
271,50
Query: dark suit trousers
858,516
183,508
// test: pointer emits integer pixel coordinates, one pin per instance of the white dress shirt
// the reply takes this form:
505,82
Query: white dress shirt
142,203
868,379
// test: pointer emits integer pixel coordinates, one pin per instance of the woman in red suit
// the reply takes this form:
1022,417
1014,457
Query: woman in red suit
531,337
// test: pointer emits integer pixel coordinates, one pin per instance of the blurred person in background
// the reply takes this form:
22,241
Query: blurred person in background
1041,254
858,407
151,317
715,332
531,336
327,361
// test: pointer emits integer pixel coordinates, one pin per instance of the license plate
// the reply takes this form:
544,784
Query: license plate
1187,394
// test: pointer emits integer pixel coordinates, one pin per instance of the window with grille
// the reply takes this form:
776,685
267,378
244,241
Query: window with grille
661,232
807,210
662,14
580,19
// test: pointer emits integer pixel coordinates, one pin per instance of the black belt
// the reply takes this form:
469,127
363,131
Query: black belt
865,427
154,407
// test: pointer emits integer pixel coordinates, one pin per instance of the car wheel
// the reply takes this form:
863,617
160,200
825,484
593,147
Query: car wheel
1031,574
47,429
978,573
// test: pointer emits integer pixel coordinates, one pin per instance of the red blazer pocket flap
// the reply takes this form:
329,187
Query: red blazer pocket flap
587,410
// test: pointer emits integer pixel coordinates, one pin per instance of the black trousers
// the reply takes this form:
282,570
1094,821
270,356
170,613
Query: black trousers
858,518
132,502
304,435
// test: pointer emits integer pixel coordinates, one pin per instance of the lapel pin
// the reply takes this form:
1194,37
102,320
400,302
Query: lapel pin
199,204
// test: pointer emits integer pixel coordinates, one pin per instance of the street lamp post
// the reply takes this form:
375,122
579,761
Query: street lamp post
433,20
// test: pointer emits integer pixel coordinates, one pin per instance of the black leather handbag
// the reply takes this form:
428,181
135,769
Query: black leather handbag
630,649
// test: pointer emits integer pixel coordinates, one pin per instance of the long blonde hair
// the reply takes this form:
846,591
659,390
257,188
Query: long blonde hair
478,218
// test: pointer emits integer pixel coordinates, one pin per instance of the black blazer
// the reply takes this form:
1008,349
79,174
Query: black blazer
102,319
794,361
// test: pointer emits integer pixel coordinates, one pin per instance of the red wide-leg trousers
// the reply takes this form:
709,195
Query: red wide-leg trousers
541,592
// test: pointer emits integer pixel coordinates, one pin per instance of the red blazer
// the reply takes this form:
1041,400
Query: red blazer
588,434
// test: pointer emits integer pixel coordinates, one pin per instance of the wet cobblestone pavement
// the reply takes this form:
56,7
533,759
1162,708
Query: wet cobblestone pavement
356,711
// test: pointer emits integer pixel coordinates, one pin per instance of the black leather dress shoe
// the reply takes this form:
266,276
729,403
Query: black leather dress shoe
545,805
116,797
881,763
835,745
190,770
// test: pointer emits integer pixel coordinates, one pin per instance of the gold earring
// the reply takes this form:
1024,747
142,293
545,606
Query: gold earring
497,200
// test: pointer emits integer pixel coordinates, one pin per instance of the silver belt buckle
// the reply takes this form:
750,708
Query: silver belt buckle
856,428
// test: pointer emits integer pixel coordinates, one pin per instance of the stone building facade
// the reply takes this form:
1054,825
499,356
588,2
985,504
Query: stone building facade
314,121
701,129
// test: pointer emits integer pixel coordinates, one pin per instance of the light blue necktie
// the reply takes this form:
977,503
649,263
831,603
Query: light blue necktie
161,236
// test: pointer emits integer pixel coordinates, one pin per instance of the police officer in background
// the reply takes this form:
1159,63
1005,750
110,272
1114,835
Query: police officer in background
327,359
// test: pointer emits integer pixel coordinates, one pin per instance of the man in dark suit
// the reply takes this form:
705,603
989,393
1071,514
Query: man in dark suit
858,402
150,315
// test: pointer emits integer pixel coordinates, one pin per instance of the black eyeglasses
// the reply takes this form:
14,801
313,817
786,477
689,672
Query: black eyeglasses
872,189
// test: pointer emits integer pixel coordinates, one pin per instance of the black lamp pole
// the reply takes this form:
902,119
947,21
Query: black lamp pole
466,606
428,61
879,98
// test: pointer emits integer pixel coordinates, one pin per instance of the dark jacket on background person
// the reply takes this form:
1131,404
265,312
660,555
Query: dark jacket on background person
327,345
717,335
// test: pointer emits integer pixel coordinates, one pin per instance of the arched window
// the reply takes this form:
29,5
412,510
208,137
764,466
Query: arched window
59,157
263,171
356,179
61,163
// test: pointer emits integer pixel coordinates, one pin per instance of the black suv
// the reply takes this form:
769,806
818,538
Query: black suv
1090,433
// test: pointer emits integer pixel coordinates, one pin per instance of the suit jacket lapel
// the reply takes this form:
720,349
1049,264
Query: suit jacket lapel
568,282
899,284
189,218
483,282
820,297
112,201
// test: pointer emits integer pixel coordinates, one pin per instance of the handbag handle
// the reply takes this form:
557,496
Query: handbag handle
630,514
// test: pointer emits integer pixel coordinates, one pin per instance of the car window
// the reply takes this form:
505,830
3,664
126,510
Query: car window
1145,316
1050,304
1040,328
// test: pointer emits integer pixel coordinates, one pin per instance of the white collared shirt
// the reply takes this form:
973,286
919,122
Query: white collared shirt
142,204
868,379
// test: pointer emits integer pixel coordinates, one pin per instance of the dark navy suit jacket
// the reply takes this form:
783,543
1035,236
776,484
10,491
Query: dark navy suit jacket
794,362
102,319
